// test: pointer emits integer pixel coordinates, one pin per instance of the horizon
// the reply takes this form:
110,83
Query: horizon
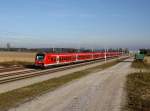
75,24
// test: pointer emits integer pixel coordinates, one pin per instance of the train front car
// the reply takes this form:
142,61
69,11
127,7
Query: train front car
40,60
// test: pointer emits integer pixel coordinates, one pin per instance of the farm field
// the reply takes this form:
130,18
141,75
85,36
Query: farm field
16,57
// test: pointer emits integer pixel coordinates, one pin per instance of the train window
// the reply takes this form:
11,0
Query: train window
80,57
53,59
40,57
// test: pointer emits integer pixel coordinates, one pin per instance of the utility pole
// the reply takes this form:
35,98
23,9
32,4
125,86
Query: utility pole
105,55
92,53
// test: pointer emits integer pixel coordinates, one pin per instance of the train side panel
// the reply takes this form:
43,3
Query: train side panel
47,59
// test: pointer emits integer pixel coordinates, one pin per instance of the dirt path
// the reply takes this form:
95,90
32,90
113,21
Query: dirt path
101,91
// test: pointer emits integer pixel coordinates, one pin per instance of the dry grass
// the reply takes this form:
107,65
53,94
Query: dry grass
15,97
16,57
147,59
142,64
138,87
138,92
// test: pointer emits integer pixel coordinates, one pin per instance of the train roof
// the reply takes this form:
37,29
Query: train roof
80,53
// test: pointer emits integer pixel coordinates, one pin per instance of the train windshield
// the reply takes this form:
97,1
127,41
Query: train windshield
40,57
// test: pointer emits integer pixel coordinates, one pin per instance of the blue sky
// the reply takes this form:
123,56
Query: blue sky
75,23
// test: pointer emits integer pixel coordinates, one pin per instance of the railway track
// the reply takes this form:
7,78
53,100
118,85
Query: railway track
7,69
8,74
10,77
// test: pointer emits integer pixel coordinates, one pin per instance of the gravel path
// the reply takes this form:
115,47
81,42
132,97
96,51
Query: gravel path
101,91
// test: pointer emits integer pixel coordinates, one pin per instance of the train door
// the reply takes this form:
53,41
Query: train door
76,57
57,59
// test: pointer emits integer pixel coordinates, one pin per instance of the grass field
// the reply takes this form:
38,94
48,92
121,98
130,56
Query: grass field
138,87
10,58
138,92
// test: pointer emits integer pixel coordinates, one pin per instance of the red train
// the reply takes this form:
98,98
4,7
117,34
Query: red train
48,59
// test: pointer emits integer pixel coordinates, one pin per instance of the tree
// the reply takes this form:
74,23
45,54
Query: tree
8,46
